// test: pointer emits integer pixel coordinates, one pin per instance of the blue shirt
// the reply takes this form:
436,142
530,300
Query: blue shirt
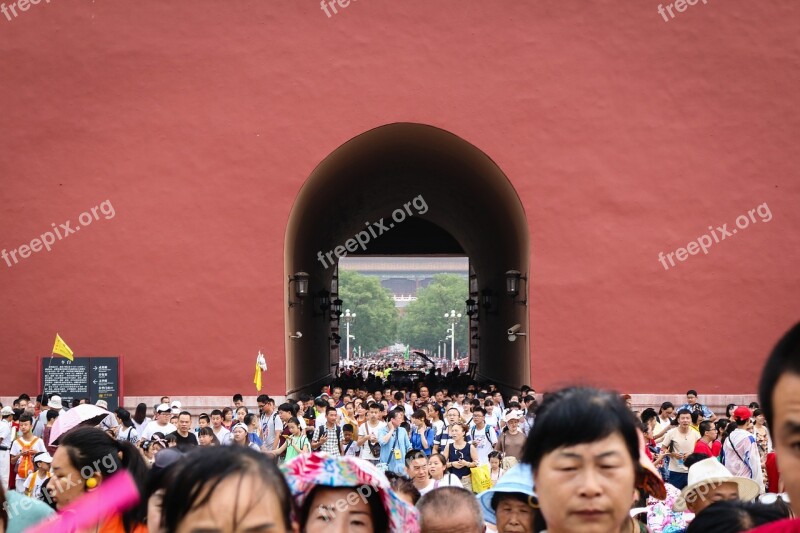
416,440
398,440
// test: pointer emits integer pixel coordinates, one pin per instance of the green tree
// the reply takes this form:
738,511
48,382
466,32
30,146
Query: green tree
423,323
375,325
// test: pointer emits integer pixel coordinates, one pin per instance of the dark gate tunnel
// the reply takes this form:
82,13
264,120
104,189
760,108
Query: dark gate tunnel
472,210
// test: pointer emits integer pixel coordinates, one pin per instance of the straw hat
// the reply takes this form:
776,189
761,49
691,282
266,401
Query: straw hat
711,473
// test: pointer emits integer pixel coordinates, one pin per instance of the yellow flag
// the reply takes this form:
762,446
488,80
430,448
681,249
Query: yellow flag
61,348
257,378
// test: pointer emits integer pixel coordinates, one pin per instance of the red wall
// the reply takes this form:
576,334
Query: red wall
624,135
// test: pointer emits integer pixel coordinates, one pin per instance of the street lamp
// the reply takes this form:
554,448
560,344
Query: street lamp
453,318
348,318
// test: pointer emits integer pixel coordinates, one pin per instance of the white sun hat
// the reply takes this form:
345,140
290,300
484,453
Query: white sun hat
711,473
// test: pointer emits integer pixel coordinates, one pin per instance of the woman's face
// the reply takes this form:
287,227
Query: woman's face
325,515
240,414
586,487
514,515
205,440
456,431
239,435
67,477
228,416
494,462
239,503
435,467
294,429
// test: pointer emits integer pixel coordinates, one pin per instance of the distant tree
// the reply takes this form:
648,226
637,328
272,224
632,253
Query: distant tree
375,325
423,323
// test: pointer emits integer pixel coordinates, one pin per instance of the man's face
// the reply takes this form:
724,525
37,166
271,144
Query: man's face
786,434
330,416
184,423
216,421
691,399
478,418
238,403
337,393
163,418
685,420
377,395
423,393
24,427
460,398
373,415
418,469
23,404
203,423
439,397
284,415
705,495
397,420
452,416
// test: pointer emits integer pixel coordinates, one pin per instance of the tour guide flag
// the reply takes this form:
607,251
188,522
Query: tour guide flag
261,365
61,348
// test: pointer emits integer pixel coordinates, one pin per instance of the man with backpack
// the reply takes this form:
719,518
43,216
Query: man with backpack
328,437
25,447
482,435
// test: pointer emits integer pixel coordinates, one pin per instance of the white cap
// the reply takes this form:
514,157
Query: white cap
6,411
102,404
176,407
163,408
44,457
514,414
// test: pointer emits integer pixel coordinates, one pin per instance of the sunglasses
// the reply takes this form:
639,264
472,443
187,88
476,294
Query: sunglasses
771,498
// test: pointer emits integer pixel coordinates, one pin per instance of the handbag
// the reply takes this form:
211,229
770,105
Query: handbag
481,478
375,449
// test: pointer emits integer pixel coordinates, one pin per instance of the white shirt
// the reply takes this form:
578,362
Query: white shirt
5,434
365,430
140,427
37,481
483,445
16,449
223,435
448,480
154,427
492,420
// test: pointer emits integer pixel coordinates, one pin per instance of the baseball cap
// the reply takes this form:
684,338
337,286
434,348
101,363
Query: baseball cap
514,414
742,413
163,408
6,411
176,407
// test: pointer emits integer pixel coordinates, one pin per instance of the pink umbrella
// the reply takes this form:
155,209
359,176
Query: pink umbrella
84,415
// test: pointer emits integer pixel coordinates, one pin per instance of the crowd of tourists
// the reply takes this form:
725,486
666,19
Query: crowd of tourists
442,454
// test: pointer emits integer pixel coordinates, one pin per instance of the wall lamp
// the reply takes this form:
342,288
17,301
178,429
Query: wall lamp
335,338
513,278
336,308
296,335
300,280
472,309
488,301
322,301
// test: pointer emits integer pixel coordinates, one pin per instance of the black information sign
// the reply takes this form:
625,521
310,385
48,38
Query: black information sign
104,381
96,378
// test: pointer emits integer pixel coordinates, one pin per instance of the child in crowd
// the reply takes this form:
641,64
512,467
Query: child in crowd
34,481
